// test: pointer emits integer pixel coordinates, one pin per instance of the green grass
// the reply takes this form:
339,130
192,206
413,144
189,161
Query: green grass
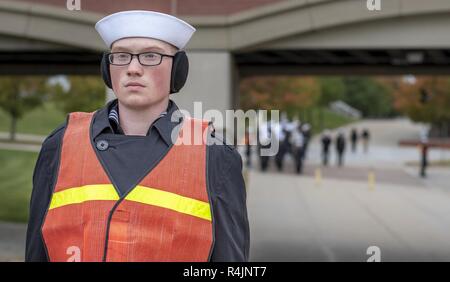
331,119
41,121
15,184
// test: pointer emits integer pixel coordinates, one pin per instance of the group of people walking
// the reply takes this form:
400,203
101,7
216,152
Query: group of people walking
340,144
293,138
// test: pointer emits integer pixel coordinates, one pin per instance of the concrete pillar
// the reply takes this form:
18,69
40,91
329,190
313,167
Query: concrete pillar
211,81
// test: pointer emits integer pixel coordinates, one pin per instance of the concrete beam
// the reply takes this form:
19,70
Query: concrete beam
243,31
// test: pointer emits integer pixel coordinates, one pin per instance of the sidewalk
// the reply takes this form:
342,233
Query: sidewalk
22,137
24,142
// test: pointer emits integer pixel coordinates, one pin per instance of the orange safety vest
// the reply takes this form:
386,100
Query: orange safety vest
167,217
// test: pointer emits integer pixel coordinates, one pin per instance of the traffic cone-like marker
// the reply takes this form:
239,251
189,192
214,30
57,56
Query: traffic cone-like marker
371,180
318,177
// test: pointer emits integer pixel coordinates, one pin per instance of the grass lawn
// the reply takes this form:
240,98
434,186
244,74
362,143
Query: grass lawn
331,120
15,184
40,121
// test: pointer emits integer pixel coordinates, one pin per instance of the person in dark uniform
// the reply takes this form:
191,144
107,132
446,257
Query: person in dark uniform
354,139
264,144
366,137
115,185
424,158
297,141
248,148
283,136
326,141
340,148
306,129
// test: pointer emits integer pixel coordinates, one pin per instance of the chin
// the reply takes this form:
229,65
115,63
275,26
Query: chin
139,100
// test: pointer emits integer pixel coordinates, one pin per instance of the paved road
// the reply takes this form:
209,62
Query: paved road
295,219
337,217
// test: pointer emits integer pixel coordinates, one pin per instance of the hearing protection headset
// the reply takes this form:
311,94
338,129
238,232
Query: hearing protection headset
180,69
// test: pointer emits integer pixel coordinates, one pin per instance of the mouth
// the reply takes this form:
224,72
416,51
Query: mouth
134,84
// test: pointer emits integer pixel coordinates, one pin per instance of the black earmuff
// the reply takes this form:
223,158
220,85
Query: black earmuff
180,70
106,73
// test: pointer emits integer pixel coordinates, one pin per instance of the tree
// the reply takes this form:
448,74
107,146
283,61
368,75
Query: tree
372,97
86,93
331,89
19,95
426,100
289,94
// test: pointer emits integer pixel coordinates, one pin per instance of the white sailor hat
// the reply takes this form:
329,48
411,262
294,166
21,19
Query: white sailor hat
144,24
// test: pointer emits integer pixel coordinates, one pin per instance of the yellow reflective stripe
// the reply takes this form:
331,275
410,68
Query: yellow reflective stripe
82,194
140,194
155,197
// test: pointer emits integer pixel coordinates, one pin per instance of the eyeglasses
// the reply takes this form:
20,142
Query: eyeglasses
145,59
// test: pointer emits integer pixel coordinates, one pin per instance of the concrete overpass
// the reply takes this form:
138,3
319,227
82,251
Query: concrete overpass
285,37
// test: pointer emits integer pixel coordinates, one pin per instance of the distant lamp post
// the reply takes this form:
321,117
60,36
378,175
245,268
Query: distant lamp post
424,96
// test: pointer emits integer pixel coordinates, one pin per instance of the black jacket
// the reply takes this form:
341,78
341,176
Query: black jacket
126,162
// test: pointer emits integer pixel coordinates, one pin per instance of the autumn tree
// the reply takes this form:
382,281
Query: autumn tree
425,100
288,94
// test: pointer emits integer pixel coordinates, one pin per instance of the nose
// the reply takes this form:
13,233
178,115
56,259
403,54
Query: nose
135,68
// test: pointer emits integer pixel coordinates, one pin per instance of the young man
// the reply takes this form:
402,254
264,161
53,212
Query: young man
116,185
